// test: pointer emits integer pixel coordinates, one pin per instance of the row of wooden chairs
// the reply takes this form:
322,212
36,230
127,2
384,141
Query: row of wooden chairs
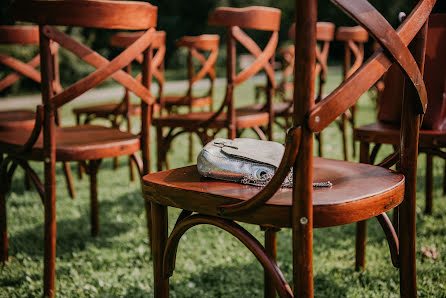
359,191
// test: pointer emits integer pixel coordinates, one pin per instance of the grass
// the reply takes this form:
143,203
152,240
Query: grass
210,263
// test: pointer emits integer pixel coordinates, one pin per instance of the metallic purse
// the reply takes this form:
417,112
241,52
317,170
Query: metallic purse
245,161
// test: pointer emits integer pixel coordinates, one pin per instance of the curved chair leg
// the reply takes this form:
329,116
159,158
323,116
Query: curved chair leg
361,227
69,179
3,226
93,167
429,184
444,178
159,238
271,250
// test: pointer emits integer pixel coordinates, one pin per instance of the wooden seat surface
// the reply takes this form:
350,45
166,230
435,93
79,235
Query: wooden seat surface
359,191
83,142
244,119
17,119
385,133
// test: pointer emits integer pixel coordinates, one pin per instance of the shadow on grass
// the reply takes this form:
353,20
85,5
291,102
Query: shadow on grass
75,234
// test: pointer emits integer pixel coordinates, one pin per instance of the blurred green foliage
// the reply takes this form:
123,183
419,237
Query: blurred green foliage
179,18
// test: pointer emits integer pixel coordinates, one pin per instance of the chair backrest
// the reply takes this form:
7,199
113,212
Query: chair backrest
124,40
120,15
325,33
354,39
198,47
390,103
254,18
19,35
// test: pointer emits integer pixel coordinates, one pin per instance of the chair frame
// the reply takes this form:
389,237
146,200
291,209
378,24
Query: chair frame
354,39
264,60
308,119
109,15
27,35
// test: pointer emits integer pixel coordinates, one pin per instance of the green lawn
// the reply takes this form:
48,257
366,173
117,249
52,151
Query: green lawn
210,263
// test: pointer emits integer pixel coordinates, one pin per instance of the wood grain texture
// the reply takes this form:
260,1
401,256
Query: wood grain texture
252,17
132,15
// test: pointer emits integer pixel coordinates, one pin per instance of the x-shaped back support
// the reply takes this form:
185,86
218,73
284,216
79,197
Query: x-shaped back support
20,68
262,57
395,44
105,68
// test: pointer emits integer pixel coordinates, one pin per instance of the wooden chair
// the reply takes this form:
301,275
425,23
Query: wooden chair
387,129
197,49
284,110
359,191
227,116
87,143
23,119
353,39
120,113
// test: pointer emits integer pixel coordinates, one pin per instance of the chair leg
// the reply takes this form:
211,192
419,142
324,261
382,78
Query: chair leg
271,250
361,227
27,182
3,227
429,184
159,234
444,178
148,207
94,204
49,270
344,135
131,170
69,179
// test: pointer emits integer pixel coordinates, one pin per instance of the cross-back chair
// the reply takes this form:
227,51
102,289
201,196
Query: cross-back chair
23,119
122,112
284,110
88,143
204,50
207,124
432,139
359,191
353,39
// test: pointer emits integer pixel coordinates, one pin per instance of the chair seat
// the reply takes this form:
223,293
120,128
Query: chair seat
359,191
244,119
17,119
83,142
105,110
385,133
279,109
172,100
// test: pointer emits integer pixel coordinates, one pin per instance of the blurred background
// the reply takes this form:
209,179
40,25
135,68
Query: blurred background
179,18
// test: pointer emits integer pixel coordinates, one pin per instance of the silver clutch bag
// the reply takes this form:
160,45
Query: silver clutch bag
245,161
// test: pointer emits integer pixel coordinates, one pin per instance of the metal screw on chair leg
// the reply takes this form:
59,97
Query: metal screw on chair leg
303,220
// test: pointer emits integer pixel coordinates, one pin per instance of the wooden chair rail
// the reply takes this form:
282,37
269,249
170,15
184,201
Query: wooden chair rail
132,15
207,64
350,90
22,68
262,57
252,17
390,40
105,69
289,157
204,42
23,35
14,77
